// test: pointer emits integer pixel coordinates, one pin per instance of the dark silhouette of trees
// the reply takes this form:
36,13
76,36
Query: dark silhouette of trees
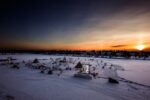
92,53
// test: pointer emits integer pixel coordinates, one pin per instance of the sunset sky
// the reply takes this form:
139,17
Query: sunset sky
75,24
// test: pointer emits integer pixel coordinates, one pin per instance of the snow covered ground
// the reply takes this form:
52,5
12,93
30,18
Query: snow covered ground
29,84
135,70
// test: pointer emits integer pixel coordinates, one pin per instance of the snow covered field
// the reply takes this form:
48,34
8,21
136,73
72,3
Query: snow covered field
29,84
135,70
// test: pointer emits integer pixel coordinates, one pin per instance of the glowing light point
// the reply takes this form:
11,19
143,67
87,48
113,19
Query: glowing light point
140,47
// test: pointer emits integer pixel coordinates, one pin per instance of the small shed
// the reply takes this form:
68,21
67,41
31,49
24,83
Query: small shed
79,65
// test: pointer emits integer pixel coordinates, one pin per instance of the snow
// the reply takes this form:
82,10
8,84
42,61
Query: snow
29,84
135,70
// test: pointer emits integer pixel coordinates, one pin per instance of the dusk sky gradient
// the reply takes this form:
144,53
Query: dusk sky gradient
74,24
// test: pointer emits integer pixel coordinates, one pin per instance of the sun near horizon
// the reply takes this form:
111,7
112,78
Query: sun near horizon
140,47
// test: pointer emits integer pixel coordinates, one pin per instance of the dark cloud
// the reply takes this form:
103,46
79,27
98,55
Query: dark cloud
118,46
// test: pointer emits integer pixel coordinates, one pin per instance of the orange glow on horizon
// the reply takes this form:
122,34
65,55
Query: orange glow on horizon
87,45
